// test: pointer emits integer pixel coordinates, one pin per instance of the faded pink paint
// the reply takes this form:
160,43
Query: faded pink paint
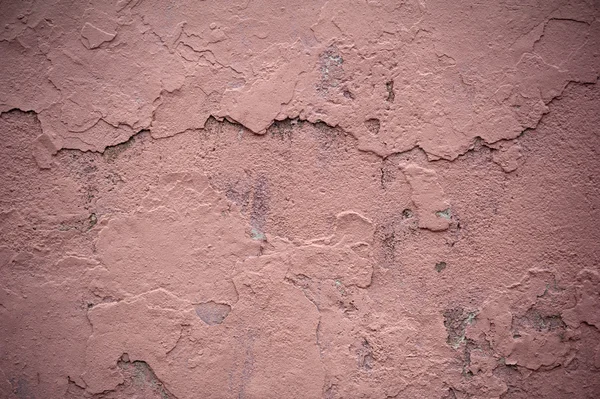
326,199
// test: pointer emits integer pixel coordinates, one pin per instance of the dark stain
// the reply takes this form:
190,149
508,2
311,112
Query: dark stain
283,129
260,207
390,89
112,152
365,355
440,266
373,125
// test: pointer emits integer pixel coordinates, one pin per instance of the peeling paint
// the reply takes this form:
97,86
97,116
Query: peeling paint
375,200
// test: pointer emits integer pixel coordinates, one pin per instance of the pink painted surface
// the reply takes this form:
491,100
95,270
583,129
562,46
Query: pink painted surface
316,199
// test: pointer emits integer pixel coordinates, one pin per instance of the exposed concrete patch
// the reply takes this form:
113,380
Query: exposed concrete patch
212,312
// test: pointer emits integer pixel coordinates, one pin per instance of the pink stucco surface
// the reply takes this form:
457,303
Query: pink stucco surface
299,199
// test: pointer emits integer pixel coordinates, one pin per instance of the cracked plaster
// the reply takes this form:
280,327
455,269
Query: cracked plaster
252,199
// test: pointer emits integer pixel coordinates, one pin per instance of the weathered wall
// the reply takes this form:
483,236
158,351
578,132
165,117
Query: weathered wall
311,199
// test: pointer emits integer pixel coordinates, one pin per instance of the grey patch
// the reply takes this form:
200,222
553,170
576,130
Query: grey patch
365,355
535,320
456,321
257,235
283,129
440,266
93,219
140,380
212,312
390,89
330,66
111,153
407,213
247,371
446,214
21,388
373,126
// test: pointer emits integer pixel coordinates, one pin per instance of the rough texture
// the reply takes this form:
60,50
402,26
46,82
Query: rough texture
327,199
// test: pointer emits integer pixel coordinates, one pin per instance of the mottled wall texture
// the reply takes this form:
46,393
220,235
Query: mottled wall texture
256,199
